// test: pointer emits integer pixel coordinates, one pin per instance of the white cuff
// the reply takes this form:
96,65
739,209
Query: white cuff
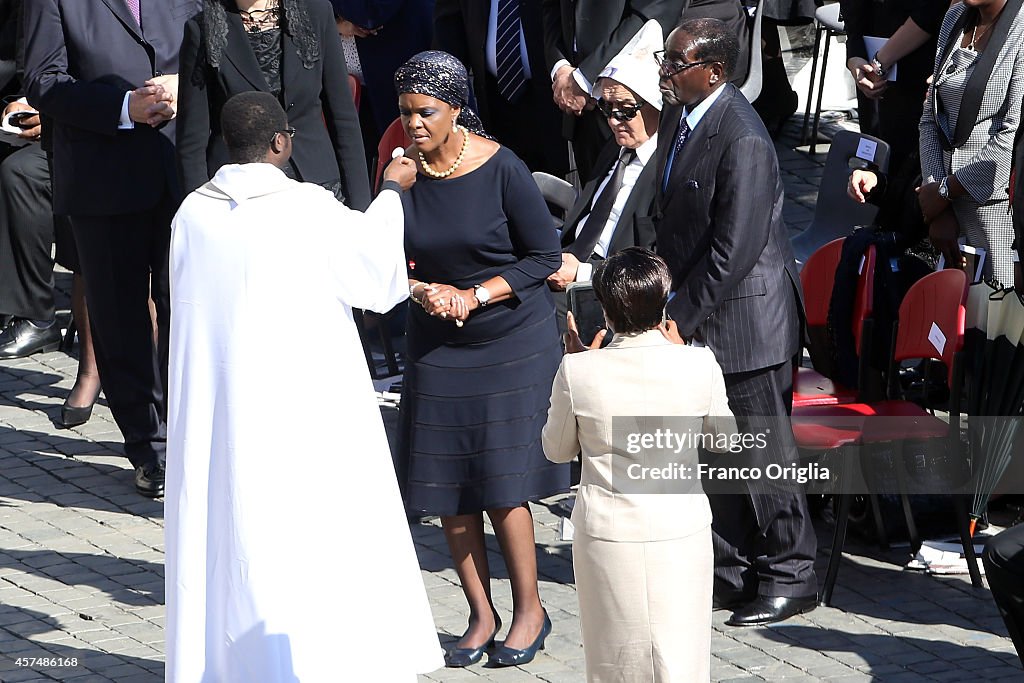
584,272
126,122
582,81
558,65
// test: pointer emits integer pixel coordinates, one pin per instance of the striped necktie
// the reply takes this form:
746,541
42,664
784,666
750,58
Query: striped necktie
133,5
681,137
511,77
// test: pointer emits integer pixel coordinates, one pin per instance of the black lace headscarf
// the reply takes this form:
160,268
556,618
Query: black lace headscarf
294,21
441,76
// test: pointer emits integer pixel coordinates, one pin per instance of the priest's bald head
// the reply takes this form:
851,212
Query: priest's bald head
255,129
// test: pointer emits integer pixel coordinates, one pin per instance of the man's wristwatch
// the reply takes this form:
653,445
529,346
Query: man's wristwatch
482,296
944,188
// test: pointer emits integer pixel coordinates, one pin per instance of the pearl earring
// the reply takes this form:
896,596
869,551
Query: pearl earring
455,125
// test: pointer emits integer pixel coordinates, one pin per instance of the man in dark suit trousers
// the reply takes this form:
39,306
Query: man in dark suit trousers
86,68
736,291
580,38
502,43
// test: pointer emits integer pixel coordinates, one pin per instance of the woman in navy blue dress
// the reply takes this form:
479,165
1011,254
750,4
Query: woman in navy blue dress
482,351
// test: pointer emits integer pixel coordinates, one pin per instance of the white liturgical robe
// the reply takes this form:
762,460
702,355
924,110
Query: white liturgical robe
289,557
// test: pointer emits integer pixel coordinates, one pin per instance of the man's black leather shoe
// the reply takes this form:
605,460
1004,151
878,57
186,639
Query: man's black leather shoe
766,610
22,339
149,480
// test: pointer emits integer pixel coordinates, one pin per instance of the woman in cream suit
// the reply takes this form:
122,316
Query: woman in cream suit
642,550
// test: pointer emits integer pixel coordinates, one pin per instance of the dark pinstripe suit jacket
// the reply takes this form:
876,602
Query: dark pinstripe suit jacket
719,226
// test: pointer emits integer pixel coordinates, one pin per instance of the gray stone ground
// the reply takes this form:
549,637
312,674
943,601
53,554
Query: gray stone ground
81,567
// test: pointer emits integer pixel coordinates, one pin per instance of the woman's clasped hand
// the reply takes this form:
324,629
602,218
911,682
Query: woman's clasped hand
444,301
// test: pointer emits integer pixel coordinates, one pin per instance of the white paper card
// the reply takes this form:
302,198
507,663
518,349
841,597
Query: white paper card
874,44
937,339
866,149
973,260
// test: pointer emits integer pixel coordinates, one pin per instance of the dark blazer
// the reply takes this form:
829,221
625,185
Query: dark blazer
460,28
99,170
636,224
719,226
328,144
588,33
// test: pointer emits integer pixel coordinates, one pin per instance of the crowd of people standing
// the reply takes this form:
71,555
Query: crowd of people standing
240,117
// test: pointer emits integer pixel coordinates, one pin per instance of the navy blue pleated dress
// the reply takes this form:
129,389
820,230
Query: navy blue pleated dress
475,398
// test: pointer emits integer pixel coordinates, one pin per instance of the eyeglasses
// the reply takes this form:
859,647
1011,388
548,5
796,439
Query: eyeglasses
289,131
669,68
622,112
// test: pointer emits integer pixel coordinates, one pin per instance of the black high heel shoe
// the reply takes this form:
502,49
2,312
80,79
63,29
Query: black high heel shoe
460,657
72,416
506,656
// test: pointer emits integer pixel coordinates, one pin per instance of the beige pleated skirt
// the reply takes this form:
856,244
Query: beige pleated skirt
645,608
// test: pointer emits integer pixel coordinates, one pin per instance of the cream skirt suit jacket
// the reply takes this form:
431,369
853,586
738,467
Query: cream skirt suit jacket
642,548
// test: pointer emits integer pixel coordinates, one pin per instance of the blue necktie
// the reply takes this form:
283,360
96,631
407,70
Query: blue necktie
511,76
684,133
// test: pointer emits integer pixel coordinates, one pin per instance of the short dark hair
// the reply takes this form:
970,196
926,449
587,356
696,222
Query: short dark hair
632,286
713,41
248,122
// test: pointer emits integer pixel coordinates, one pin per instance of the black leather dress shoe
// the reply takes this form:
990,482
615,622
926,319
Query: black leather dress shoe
149,480
767,610
22,339
507,656
460,657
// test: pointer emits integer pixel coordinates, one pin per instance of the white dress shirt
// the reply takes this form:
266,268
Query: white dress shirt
644,153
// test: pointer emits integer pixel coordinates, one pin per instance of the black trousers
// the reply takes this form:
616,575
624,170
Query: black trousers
764,542
1004,569
26,235
124,261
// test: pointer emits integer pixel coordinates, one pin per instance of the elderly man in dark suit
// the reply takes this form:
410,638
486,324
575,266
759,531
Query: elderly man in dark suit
736,291
104,71
580,38
502,43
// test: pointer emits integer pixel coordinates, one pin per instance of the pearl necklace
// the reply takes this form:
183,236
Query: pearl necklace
458,160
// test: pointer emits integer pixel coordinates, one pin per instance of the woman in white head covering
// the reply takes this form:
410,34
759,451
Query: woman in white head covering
614,209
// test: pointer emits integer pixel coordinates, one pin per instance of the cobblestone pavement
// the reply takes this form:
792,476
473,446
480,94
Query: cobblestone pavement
81,568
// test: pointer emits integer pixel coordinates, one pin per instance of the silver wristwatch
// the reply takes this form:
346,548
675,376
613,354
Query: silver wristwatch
483,297
944,188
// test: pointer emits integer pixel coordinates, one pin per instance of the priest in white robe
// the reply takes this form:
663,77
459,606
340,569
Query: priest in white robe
289,556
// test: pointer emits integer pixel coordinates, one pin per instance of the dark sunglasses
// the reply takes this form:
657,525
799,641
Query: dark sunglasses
669,68
623,112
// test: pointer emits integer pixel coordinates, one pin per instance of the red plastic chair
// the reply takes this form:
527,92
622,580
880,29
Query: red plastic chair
394,136
356,88
937,302
810,387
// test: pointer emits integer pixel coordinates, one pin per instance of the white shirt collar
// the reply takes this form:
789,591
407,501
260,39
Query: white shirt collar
645,151
694,117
